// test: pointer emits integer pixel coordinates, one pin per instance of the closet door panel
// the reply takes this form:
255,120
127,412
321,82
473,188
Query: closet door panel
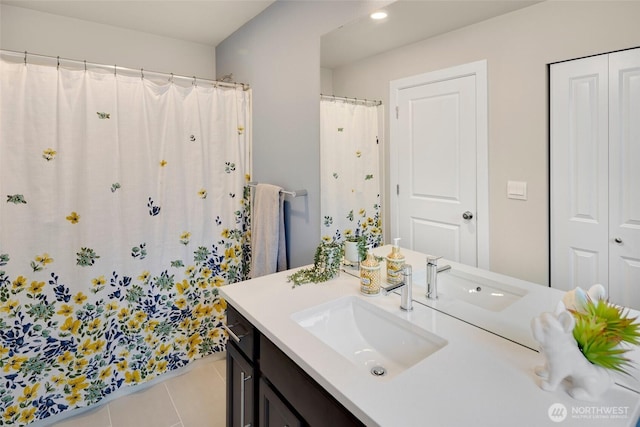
579,173
624,177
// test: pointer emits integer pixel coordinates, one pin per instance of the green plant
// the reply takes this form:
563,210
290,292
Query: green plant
326,265
600,330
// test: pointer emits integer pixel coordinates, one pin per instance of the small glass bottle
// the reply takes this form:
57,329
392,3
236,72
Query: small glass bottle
395,263
370,275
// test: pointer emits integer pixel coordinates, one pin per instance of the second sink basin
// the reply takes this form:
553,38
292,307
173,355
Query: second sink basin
371,338
479,291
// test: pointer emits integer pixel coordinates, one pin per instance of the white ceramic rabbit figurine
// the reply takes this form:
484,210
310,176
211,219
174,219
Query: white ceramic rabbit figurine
563,358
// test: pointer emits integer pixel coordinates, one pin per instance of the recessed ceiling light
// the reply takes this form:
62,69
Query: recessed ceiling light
378,15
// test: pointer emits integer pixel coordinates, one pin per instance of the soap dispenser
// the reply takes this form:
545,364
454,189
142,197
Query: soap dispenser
370,275
395,263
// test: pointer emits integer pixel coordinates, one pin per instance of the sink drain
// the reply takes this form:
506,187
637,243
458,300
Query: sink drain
378,371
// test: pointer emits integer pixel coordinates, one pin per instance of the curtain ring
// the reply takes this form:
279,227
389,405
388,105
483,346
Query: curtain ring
194,82
115,68
171,78
85,65
141,73
58,65
25,58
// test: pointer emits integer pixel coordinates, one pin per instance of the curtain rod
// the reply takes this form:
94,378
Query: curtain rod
117,68
351,100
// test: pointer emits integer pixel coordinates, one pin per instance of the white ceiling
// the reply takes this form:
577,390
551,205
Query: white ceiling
211,21
205,21
408,21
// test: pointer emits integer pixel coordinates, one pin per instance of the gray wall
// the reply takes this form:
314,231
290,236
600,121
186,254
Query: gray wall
278,53
518,46
47,34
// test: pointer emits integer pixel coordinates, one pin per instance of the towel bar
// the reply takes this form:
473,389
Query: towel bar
297,193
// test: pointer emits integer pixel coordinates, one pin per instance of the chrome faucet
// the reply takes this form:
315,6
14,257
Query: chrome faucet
406,302
432,275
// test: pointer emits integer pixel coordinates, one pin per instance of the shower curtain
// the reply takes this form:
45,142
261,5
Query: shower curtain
350,179
124,209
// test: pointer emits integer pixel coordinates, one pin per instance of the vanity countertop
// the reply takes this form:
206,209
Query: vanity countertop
512,322
478,377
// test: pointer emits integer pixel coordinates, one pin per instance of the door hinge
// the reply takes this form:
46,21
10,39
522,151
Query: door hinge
397,111
397,189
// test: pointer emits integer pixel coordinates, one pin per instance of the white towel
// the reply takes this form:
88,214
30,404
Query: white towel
268,249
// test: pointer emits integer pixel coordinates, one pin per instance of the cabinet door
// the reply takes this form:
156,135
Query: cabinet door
624,178
240,389
273,411
301,392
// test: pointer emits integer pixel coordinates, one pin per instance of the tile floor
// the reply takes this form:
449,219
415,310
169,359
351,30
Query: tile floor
195,398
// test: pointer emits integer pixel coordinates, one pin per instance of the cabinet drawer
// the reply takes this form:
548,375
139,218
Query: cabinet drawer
244,332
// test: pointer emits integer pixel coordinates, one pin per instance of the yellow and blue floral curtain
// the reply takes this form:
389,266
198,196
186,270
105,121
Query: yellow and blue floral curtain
350,171
124,208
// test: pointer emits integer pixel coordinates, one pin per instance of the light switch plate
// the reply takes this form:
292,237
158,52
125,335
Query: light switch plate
517,190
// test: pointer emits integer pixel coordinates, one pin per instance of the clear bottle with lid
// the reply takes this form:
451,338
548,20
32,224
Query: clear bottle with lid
370,275
395,263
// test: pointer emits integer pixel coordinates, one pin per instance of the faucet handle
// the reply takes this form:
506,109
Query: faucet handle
433,260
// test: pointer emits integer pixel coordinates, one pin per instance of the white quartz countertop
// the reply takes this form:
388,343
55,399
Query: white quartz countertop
478,378
512,322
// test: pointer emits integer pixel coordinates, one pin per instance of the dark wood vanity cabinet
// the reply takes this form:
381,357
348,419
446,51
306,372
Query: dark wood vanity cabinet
265,388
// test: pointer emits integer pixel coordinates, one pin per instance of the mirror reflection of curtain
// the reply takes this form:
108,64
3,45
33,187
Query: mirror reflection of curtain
124,210
350,181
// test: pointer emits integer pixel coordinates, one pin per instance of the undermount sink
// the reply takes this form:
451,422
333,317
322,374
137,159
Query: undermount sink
476,290
377,341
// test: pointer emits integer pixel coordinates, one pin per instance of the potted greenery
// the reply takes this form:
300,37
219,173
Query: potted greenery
585,339
601,331
355,249
326,265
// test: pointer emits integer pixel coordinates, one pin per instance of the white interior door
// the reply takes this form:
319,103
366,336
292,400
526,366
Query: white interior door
579,171
434,136
624,178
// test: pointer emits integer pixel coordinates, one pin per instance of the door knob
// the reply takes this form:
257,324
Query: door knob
617,240
467,215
